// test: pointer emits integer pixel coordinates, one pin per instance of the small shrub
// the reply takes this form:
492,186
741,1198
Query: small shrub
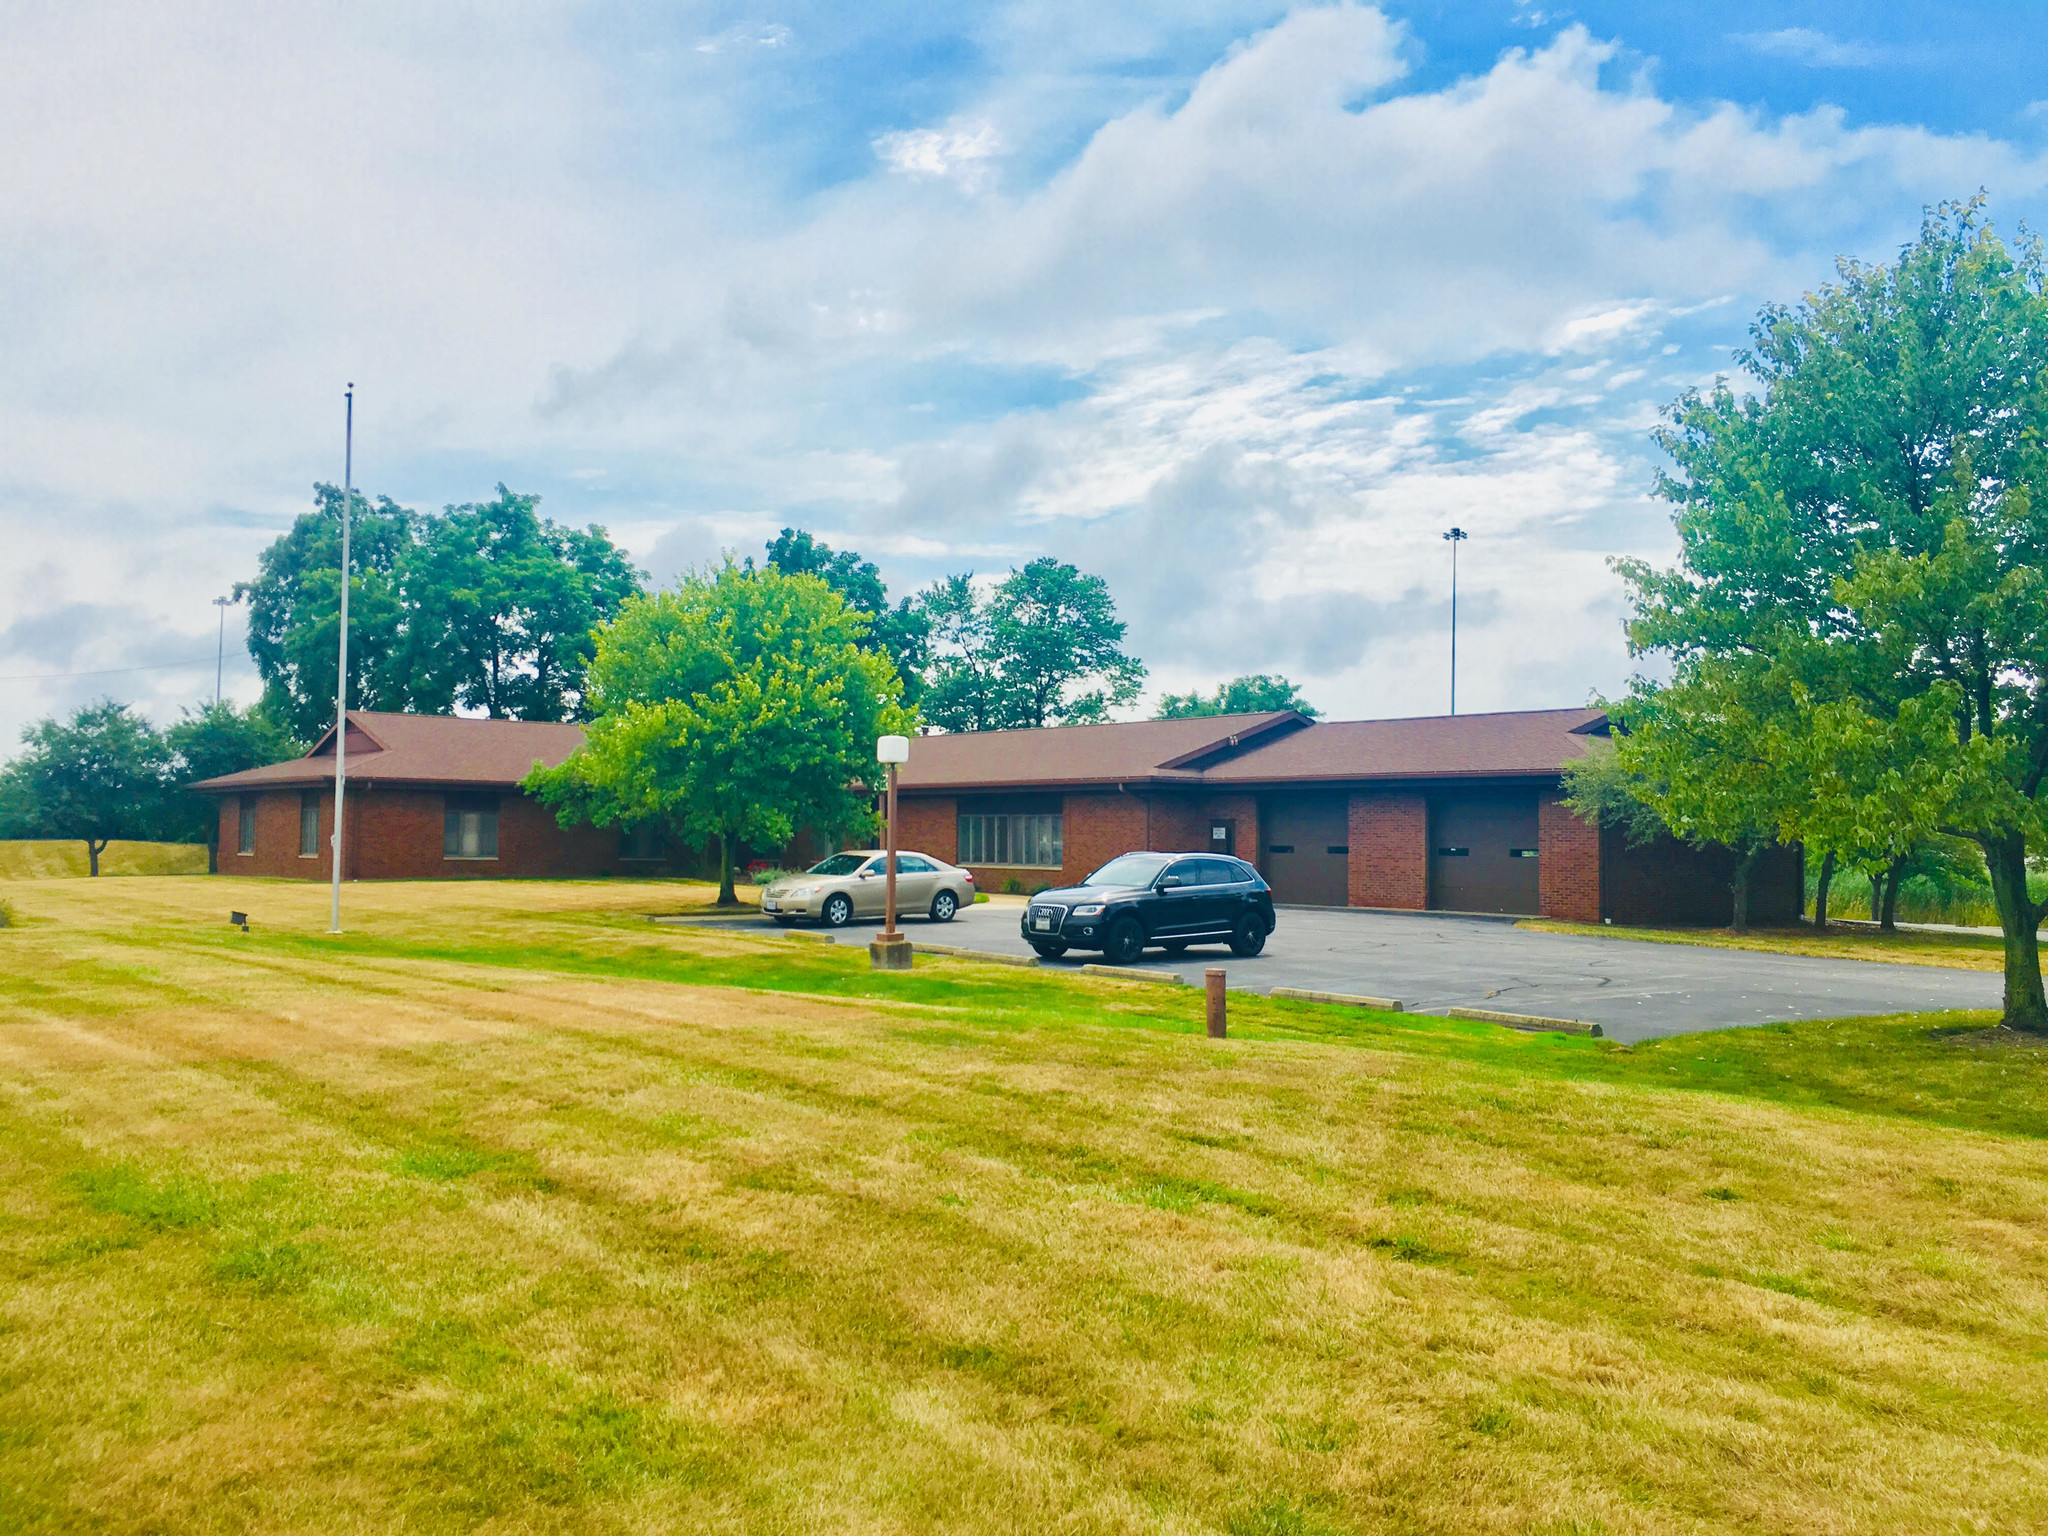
767,874
981,896
1013,886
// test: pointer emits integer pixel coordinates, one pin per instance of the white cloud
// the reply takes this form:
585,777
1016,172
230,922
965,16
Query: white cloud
963,153
747,35
1316,313
1807,46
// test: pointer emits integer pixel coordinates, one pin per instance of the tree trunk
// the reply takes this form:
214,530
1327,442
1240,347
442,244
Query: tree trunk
2005,855
1820,892
727,896
1738,886
1888,914
92,853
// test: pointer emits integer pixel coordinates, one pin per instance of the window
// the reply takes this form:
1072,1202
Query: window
1186,872
1220,871
245,831
911,864
1521,853
643,842
1454,853
471,829
309,826
1031,842
1340,848
1280,848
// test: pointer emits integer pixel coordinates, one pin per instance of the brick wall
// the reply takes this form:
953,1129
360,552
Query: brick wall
1389,840
930,825
396,834
1567,862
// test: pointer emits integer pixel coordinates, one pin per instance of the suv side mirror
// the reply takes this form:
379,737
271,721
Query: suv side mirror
1168,882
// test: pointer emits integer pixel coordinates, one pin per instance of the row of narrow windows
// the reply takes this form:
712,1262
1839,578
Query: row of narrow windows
469,827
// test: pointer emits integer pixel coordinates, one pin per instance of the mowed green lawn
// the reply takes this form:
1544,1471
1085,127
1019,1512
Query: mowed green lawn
59,858
511,1211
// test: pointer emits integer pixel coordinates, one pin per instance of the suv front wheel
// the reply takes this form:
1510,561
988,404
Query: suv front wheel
1124,942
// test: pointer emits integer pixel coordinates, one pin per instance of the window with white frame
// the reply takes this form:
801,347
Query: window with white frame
1020,842
471,829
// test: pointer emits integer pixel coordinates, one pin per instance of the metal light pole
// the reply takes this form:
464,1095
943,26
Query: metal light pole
890,951
348,492
220,645
1456,537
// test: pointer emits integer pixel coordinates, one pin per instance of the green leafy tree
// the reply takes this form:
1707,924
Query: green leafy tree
1877,506
902,633
96,777
1253,694
486,606
207,743
737,707
295,605
1044,648
499,605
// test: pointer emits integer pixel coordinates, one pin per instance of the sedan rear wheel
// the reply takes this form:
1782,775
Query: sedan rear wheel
944,905
1124,942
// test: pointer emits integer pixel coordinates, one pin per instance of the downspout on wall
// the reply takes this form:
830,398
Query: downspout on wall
1124,789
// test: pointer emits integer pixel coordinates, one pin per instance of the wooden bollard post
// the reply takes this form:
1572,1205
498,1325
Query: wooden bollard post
1218,1008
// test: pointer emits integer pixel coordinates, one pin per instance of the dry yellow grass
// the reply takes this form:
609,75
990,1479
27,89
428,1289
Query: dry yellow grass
332,1238
54,859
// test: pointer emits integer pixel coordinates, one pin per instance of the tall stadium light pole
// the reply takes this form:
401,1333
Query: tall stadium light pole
348,492
1455,537
220,645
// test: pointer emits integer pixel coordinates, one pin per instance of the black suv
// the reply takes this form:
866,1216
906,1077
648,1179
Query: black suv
1168,899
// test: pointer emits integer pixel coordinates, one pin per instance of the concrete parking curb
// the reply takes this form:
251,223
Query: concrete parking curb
1352,999
988,956
1127,973
1528,1021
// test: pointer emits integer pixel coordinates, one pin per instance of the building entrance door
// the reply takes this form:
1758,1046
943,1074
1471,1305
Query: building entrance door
1223,835
1306,855
1482,852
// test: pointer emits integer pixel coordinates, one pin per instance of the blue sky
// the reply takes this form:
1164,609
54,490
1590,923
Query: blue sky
1237,305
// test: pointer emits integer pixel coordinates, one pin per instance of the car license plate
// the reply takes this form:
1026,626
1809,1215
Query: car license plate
769,906
1042,924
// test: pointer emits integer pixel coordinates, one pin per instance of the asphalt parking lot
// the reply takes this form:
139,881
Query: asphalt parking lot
1632,989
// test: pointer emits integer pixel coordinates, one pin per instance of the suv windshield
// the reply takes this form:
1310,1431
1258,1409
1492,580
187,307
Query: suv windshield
1131,869
838,864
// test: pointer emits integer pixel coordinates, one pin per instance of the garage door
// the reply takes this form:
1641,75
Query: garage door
1482,852
1304,854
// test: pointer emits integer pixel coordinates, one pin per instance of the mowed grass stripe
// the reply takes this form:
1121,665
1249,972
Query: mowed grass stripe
590,1253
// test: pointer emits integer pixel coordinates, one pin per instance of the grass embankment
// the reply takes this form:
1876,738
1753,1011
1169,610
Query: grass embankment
503,1208
1956,951
59,859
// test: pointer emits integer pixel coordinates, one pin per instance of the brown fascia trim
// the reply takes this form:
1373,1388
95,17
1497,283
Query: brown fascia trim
1310,781
326,781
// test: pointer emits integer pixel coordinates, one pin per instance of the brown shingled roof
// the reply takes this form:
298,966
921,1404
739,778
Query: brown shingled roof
1521,743
418,749
1254,749
1077,754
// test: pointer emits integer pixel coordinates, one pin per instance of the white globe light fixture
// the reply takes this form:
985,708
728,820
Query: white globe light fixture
890,951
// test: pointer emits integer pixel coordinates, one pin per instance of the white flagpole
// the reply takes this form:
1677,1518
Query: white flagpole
348,490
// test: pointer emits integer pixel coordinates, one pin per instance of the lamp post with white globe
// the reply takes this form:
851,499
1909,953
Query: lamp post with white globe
890,951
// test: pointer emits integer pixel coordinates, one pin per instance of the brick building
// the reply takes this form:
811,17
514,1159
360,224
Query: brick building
429,796
1456,813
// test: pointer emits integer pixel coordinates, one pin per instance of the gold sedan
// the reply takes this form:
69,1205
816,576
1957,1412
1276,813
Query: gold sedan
836,890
